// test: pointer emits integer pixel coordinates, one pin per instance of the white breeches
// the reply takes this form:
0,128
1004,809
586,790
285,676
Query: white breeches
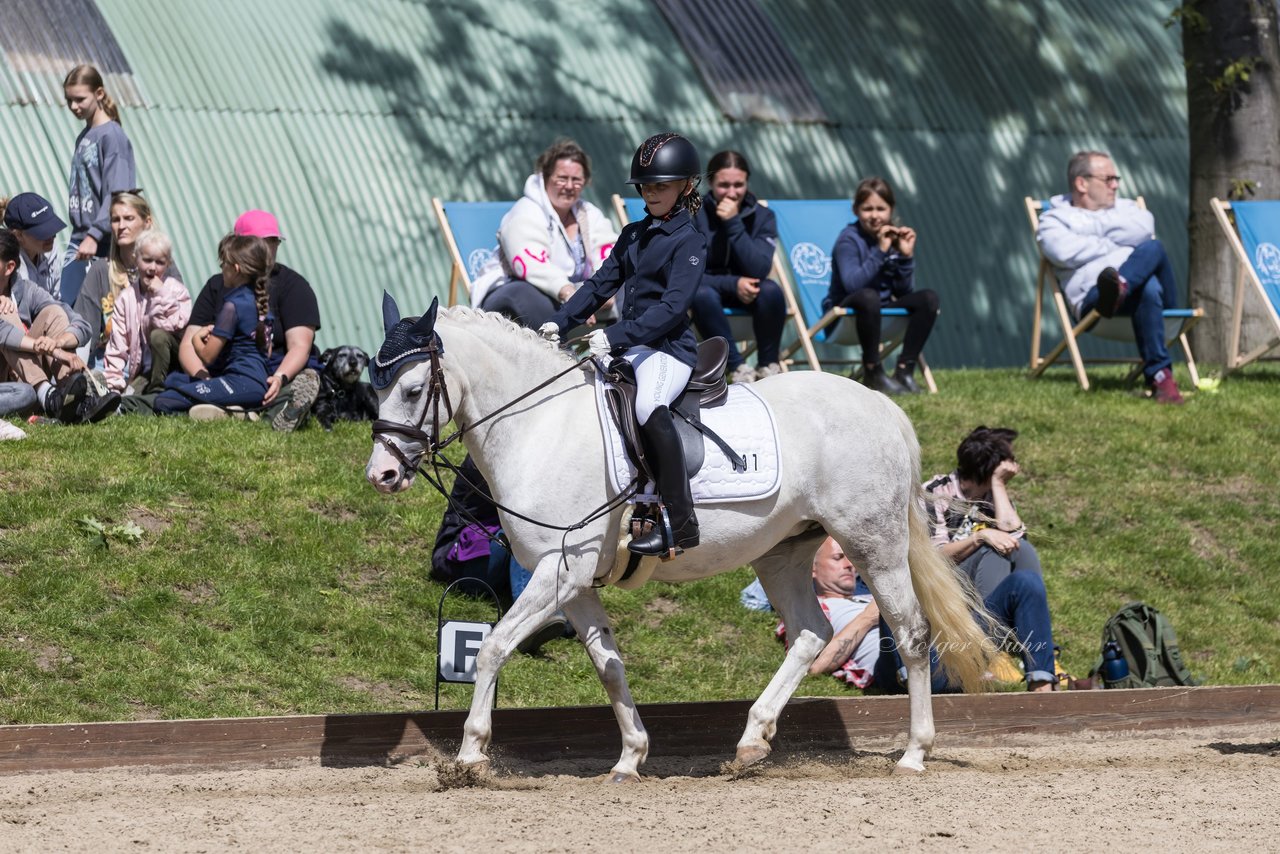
659,379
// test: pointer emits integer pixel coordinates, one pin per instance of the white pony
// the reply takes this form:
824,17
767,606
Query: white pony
850,464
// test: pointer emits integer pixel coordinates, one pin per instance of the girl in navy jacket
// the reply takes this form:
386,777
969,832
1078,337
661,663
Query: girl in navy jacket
873,265
658,263
741,237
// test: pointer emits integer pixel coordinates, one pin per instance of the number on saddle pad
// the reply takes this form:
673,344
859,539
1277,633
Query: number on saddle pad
1150,648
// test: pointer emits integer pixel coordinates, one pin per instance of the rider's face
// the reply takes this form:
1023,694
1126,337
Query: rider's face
660,198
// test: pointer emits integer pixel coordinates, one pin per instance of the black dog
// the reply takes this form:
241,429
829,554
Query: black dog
342,396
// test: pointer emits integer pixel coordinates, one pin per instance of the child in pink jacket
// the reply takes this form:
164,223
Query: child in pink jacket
147,321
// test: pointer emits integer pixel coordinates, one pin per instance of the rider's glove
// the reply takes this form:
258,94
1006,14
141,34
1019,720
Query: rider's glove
550,331
599,344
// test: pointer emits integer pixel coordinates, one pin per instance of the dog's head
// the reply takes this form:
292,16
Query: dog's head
345,364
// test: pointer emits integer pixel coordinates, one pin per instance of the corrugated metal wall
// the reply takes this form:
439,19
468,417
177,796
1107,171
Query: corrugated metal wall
346,119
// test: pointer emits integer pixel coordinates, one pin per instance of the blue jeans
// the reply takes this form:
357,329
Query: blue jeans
1152,289
1019,602
768,316
17,399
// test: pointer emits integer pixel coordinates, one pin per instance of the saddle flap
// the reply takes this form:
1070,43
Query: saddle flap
708,380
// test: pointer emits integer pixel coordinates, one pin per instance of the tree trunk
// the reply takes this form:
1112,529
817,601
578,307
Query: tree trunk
1233,137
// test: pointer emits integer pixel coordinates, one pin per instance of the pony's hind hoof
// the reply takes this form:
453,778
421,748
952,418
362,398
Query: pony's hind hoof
622,777
901,770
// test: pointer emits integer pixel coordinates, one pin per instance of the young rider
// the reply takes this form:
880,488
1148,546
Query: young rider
658,262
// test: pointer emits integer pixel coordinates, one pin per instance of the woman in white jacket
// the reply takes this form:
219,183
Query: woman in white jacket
551,240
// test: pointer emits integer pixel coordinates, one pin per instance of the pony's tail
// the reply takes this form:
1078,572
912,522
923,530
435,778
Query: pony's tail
950,606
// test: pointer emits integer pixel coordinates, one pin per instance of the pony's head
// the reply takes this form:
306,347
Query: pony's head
406,375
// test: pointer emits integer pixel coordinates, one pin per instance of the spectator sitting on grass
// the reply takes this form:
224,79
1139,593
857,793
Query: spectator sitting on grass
975,524
851,653
146,320
31,219
38,341
293,368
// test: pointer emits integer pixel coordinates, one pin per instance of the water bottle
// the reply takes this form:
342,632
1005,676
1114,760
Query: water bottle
1114,667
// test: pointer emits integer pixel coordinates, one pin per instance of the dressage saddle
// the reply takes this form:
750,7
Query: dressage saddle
706,389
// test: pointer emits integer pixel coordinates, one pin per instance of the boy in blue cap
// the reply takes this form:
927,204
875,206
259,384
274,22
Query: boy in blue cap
31,219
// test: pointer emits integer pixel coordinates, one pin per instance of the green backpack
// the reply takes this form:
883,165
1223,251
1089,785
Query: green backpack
1150,647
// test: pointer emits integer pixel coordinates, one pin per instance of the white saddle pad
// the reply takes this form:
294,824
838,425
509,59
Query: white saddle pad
746,424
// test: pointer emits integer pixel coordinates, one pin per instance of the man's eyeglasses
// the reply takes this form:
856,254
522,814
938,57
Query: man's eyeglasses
568,182
1109,180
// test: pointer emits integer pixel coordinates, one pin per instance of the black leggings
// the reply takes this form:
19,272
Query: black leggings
922,311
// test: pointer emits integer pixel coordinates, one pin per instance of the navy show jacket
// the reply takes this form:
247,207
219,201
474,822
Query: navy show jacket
658,264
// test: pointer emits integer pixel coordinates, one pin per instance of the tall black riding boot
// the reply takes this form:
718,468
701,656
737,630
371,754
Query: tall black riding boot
673,485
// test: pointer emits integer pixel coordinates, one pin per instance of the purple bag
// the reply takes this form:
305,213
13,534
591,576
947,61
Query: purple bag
472,543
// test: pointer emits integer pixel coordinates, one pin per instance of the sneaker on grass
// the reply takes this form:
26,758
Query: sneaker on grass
10,431
305,388
209,412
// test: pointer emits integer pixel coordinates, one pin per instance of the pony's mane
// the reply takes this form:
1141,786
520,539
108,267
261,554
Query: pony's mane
497,327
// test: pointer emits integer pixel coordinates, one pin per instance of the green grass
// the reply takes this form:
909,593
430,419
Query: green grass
270,579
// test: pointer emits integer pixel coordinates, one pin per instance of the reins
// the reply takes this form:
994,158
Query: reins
438,391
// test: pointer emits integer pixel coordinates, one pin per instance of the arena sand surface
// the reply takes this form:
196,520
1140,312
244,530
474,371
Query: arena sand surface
1173,790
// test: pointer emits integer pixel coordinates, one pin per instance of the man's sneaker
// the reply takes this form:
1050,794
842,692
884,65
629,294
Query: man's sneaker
9,431
1166,388
770,370
1112,289
97,407
744,373
64,399
305,388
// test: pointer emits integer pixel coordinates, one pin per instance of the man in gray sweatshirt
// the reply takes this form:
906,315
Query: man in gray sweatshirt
1105,255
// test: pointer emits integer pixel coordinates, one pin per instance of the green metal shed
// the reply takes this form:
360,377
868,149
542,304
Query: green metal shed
345,119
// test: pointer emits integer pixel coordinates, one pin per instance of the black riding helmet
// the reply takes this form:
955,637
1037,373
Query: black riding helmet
664,157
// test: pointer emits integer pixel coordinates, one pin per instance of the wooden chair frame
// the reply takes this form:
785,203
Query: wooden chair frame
1047,282
1245,272
458,269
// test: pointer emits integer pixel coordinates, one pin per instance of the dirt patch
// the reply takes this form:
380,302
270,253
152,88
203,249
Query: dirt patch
49,658
196,594
150,522
333,512
382,692
973,796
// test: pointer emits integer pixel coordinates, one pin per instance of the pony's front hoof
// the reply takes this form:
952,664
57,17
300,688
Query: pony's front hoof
749,755
908,770
462,775
624,777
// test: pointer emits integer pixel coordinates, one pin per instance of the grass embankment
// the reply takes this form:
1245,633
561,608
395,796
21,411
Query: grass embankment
267,578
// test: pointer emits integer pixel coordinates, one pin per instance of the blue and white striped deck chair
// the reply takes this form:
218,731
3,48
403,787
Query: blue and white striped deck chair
1177,321
631,209
1255,239
470,232
808,229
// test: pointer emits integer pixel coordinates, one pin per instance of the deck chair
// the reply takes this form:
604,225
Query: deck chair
808,229
1253,230
470,232
631,209
1177,321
